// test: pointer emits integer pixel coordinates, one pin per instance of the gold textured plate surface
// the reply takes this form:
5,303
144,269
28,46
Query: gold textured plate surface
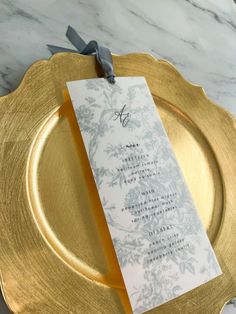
56,254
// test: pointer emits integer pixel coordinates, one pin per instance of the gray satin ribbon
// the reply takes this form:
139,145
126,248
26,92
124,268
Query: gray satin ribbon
103,54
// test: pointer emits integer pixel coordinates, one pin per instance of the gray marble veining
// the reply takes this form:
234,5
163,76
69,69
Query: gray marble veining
197,36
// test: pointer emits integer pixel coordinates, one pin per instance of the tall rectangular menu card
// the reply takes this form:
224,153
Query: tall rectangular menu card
162,248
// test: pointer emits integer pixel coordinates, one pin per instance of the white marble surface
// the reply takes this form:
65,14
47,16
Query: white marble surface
197,36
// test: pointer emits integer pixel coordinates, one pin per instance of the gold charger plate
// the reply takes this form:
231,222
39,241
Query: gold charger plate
56,254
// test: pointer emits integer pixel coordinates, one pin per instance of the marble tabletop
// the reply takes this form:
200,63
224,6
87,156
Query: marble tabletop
197,36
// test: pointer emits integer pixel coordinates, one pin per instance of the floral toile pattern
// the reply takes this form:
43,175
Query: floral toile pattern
162,248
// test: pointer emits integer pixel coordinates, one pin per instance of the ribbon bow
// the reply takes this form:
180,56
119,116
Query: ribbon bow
103,54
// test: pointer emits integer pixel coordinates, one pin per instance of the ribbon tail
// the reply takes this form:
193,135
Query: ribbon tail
75,39
55,49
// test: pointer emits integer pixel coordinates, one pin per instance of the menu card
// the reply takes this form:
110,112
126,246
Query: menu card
162,248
